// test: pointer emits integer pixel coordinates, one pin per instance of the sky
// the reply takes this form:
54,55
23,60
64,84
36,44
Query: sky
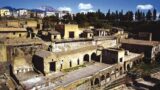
85,5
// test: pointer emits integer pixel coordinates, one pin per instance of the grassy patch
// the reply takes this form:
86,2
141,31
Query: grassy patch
73,68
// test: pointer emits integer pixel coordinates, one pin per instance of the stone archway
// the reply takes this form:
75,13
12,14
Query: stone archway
137,62
50,48
103,80
97,82
108,77
128,67
117,72
86,58
102,77
134,63
94,56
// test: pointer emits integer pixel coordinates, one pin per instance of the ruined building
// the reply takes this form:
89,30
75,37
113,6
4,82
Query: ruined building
67,57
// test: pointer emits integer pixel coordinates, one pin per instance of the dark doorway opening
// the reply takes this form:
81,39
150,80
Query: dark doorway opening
94,57
121,59
128,67
70,63
61,67
78,62
55,37
102,77
71,34
86,58
52,66
96,82
121,71
20,35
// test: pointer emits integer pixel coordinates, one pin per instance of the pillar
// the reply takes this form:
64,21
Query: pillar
101,58
150,36
104,33
99,33
89,58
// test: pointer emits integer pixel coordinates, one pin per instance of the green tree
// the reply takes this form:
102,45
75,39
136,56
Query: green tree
143,16
139,15
49,22
92,17
149,15
120,16
100,15
108,15
154,14
67,18
117,16
113,16
81,19
129,16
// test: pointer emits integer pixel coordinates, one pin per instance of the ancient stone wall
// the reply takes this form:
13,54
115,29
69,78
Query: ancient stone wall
13,35
59,47
3,53
71,46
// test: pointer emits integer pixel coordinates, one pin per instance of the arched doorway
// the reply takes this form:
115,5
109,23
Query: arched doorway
107,77
50,48
117,72
128,67
86,58
103,80
93,56
137,62
20,35
102,77
96,82
134,63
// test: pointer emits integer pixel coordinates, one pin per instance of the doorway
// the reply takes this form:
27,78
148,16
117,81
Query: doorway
71,34
52,66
